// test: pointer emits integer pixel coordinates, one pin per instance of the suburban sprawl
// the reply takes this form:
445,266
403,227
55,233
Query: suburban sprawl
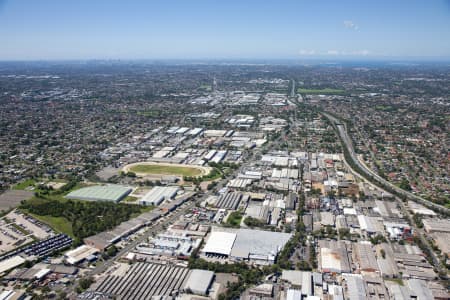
196,181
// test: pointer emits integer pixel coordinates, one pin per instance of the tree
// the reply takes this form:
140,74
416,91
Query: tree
111,251
85,282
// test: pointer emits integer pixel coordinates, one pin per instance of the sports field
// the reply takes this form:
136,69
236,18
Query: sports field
150,168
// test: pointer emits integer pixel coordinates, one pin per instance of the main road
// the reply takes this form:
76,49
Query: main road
380,181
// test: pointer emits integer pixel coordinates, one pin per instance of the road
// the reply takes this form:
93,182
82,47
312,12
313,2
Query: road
377,178
293,89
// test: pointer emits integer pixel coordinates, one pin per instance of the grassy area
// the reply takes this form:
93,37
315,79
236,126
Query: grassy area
166,170
24,184
234,219
59,224
326,91
130,199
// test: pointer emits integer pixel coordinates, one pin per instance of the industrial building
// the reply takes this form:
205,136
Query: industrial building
354,287
219,243
333,257
231,200
158,194
79,254
300,280
436,225
256,246
11,263
199,282
258,211
110,192
145,281
365,257
170,244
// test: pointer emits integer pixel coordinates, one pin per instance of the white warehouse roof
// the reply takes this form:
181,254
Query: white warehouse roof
10,263
158,194
220,243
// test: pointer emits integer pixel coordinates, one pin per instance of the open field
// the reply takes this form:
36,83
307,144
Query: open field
29,183
152,168
326,91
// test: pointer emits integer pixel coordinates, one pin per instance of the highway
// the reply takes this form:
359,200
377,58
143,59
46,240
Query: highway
293,89
377,178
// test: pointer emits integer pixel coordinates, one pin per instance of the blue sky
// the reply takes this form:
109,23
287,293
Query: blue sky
192,29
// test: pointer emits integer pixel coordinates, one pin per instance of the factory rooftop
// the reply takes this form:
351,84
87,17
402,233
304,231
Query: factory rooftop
109,192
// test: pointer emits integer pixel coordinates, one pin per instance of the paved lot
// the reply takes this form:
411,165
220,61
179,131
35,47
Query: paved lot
12,198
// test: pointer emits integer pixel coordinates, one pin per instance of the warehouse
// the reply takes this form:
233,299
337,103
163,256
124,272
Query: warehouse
333,257
158,194
199,282
214,133
210,155
370,225
194,132
436,225
258,246
301,280
257,211
365,257
354,287
79,254
219,243
112,193
169,244
220,155
11,263
231,200
144,281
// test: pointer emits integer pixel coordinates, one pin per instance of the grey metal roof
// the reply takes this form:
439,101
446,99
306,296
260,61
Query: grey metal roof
258,242
199,281
100,193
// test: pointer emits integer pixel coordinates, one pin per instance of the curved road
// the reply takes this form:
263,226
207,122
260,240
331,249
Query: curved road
377,178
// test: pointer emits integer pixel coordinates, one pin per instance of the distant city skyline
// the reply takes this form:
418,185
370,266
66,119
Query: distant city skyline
177,29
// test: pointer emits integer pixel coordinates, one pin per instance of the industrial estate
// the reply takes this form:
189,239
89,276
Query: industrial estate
224,182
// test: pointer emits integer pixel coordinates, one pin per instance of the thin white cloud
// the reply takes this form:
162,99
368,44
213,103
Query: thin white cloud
349,53
351,25
307,52
333,52
362,52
